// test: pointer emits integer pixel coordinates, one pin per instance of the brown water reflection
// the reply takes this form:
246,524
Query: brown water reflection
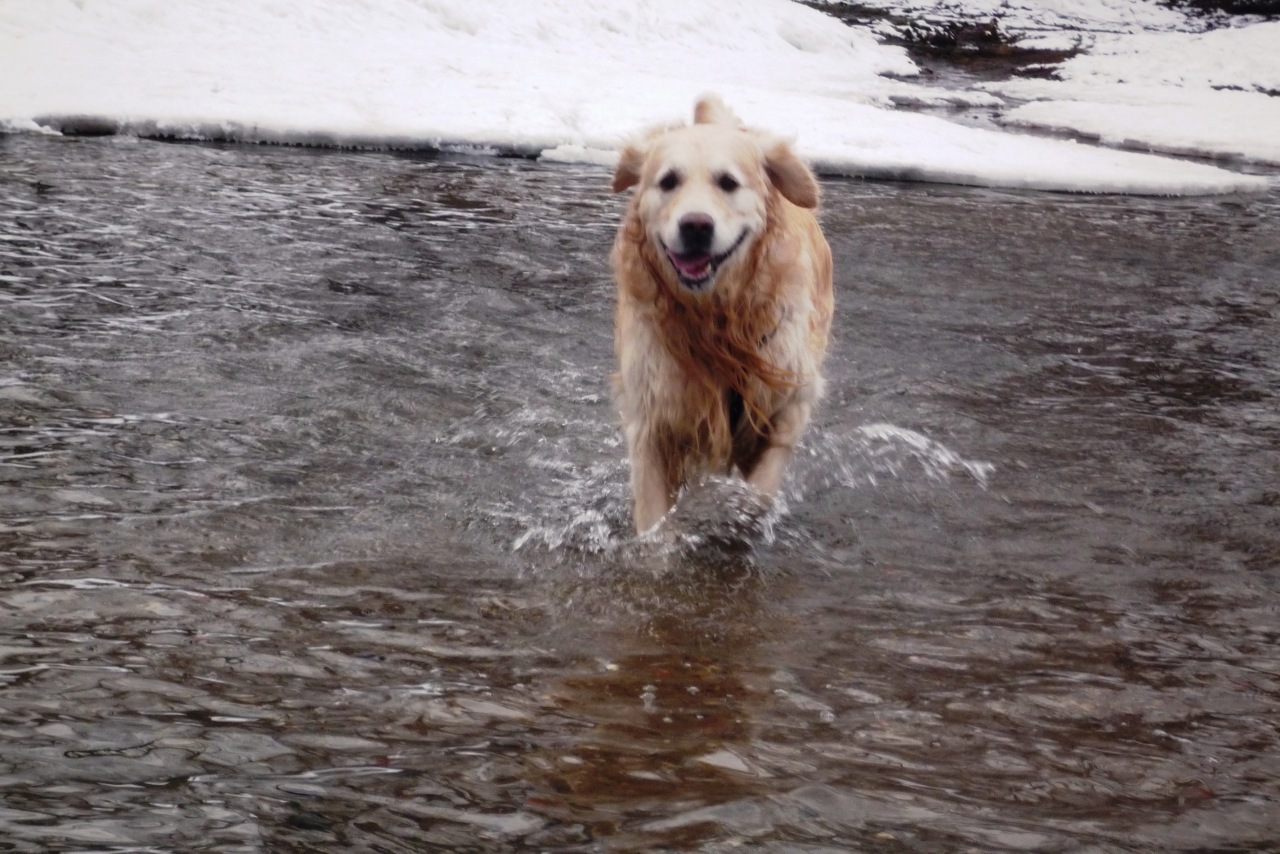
666,711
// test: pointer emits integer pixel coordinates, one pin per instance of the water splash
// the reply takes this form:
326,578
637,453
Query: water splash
885,451
589,510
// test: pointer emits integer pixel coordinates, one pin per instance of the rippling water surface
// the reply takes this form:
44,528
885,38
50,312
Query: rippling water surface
313,525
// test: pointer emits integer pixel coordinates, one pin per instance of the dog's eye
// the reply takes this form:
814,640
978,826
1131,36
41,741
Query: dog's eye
728,183
669,182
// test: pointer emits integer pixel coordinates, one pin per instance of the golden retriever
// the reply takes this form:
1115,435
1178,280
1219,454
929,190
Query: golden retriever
724,306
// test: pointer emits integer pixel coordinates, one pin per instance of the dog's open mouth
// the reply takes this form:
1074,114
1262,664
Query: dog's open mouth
696,270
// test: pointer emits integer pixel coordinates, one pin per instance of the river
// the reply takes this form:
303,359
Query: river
314,527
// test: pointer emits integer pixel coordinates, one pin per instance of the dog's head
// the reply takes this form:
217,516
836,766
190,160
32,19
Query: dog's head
703,190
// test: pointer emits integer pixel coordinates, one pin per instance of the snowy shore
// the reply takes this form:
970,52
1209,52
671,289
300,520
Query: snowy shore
569,81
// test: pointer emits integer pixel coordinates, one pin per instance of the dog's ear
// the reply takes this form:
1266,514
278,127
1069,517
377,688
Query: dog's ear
711,110
789,174
627,173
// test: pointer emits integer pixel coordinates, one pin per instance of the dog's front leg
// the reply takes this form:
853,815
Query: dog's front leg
651,492
788,425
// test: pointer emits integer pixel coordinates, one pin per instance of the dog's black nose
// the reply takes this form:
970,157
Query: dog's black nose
697,231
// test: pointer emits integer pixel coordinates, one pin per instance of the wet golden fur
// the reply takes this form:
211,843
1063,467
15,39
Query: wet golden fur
724,376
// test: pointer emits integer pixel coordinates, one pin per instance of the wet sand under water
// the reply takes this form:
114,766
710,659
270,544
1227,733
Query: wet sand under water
313,525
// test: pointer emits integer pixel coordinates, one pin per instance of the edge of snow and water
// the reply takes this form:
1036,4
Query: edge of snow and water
549,79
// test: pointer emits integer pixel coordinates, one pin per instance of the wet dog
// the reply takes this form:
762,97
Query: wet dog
724,306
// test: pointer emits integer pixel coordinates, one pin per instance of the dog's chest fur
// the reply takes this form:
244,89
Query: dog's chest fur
686,376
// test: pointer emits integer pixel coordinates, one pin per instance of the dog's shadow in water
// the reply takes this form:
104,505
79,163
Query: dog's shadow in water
668,670
669,673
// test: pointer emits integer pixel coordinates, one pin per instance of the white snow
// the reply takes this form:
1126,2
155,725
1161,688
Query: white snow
570,80
1214,94
1150,76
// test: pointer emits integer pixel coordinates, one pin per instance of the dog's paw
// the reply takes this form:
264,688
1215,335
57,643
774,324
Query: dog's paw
725,512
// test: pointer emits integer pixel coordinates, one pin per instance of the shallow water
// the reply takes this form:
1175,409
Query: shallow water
313,522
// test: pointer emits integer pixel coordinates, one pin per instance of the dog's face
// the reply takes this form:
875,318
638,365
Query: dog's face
703,191
702,196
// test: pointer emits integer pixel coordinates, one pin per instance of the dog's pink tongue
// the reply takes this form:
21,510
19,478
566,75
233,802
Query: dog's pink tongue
691,267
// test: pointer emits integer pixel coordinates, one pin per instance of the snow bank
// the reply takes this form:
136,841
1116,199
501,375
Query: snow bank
1213,94
564,77
527,74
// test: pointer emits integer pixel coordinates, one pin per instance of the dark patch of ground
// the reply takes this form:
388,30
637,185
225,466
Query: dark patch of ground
1268,8
977,47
